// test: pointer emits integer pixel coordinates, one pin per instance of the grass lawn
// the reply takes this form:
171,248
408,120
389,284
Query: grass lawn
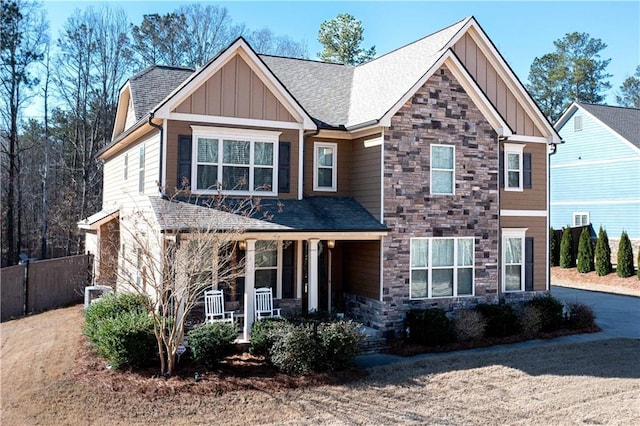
45,382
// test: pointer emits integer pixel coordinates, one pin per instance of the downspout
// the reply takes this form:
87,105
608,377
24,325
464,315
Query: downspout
499,293
304,141
553,148
160,128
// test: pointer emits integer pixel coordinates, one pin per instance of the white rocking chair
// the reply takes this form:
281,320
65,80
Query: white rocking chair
264,304
214,307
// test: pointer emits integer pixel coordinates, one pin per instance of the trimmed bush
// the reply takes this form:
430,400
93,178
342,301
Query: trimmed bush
121,330
501,320
295,349
263,334
126,339
429,327
603,254
469,325
585,252
553,248
580,316
624,268
210,343
566,249
531,320
550,310
340,343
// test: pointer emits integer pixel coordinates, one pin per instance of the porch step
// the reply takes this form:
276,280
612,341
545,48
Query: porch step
373,342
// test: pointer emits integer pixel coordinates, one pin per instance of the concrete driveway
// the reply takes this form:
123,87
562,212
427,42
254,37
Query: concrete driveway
618,316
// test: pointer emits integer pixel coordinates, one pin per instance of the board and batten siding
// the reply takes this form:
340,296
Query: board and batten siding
366,169
537,229
177,128
118,192
361,268
536,197
235,91
494,87
597,173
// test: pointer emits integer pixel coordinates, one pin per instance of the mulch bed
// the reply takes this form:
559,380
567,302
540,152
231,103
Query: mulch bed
240,371
404,348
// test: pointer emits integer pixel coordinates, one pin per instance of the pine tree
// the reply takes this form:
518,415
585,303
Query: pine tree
585,252
566,249
603,254
624,268
553,248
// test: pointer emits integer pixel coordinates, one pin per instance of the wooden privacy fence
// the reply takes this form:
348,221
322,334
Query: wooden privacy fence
45,284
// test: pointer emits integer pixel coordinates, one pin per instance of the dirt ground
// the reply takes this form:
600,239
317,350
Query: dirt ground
45,381
591,281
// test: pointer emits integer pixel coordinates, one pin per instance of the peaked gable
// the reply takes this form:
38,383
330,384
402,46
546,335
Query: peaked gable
220,87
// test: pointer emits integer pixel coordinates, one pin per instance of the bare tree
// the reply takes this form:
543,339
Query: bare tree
160,40
176,253
23,38
266,42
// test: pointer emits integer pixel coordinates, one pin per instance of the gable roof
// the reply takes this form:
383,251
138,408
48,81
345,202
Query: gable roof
623,121
346,97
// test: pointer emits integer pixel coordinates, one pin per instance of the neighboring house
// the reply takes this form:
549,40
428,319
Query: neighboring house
595,173
384,183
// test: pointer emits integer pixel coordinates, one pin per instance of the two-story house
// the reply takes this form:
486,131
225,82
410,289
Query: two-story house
414,180
595,176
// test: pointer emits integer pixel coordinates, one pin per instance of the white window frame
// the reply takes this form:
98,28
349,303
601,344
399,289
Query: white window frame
141,163
429,267
452,171
577,123
581,215
277,268
252,136
513,149
126,166
334,167
507,233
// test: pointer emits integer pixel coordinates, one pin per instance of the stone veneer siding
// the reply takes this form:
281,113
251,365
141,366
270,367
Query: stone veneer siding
440,112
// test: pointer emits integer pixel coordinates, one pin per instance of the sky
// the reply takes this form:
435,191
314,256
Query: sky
520,30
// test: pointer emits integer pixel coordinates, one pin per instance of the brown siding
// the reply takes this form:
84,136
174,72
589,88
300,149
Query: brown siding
536,197
344,167
235,91
361,268
365,175
176,128
494,87
536,228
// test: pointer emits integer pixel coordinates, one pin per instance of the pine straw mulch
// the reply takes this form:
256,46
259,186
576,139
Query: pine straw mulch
238,372
405,348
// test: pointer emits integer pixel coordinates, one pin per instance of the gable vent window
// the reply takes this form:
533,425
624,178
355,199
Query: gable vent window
235,161
577,123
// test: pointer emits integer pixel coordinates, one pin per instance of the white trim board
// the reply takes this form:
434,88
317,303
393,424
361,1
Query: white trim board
596,162
596,202
523,213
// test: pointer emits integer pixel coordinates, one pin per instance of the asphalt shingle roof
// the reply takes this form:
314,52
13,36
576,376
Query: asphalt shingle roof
324,213
153,84
334,95
624,121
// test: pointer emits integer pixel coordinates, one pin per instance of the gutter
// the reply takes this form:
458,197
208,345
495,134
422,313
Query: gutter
160,128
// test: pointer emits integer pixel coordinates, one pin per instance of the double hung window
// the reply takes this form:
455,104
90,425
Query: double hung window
441,267
513,259
580,219
442,169
325,169
514,166
267,264
234,160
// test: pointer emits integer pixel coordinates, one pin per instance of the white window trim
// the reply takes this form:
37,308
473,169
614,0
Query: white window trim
334,168
510,148
126,166
580,214
142,158
432,169
429,268
221,133
513,233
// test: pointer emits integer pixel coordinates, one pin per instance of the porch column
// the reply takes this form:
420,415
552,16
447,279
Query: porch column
312,291
249,286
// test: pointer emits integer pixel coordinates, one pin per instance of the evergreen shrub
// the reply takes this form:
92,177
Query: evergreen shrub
566,249
624,268
550,310
603,254
210,343
429,327
585,252
553,248
501,320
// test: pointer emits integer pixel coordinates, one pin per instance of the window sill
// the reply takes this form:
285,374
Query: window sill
235,193
321,189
